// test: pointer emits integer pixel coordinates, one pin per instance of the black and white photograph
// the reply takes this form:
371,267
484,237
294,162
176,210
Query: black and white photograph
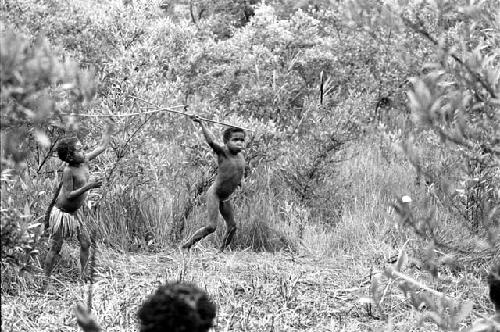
250,165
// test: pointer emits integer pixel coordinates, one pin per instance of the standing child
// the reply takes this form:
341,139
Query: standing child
230,171
66,217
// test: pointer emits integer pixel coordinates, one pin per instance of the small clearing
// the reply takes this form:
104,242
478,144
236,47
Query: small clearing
253,292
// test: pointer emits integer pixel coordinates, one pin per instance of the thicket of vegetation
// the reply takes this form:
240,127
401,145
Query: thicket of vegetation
351,105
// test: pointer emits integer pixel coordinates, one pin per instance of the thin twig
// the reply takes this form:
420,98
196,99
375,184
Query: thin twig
123,146
420,29
48,155
92,269
51,205
395,274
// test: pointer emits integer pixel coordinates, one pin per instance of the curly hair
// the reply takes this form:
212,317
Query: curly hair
226,135
494,283
66,147
177,307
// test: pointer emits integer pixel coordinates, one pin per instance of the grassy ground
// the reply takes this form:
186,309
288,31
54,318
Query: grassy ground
253,292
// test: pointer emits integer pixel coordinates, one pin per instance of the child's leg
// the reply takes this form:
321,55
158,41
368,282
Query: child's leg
226,210
84,239
55,248
213,211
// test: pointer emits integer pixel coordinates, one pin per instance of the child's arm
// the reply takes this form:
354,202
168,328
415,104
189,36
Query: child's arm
208,135
106,136
68,185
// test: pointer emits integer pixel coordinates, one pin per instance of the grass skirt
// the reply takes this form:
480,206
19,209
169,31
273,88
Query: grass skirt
65,224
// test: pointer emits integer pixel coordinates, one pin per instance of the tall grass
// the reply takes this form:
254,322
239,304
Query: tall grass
24,200
261,224
368,184
268,214
134,218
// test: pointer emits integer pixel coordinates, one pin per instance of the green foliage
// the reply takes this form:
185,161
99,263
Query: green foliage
16,238
34,84
455,98
21,228
37,93
219,17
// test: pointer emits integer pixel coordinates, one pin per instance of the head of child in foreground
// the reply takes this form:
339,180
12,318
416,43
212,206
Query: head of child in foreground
234,139
494,283
177,307
70,150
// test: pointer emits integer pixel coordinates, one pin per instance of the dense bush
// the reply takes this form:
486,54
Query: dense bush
455,101
37,90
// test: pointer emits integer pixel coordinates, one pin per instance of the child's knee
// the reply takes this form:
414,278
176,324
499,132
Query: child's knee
84,239
84,244
56,245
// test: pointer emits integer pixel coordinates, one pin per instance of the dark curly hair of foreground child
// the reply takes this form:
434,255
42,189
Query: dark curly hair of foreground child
175,307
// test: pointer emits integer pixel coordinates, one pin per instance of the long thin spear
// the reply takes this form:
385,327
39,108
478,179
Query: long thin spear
184,113
170,109
159,109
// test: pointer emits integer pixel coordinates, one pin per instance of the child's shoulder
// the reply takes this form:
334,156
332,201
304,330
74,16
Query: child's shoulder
75,168
223,152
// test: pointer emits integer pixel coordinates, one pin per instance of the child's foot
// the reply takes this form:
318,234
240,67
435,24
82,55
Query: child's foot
224,248
48,287
84,277
85,319
186,245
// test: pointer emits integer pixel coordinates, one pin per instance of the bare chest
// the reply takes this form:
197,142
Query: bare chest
80,176
232,165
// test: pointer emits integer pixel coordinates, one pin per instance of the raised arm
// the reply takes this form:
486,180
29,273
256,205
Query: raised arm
68,185
106,136
208,136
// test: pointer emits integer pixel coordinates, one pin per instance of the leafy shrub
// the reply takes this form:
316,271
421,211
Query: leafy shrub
32,82
455,97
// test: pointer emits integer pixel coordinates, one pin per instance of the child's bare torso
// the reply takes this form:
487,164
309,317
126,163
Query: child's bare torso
229,174
80,175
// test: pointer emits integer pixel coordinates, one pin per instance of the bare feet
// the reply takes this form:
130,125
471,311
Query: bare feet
85,319
187,245
47,286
